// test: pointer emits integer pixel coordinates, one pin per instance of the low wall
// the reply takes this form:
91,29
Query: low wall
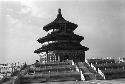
17,80
119,75
2,80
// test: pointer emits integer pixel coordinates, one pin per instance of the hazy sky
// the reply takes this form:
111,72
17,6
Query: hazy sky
101,22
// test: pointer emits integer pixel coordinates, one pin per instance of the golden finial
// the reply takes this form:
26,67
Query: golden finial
59,11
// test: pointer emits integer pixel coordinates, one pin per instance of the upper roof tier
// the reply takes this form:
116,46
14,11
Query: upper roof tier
60,23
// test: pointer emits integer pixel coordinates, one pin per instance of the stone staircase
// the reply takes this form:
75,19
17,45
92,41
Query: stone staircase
88,72
93,70
85,71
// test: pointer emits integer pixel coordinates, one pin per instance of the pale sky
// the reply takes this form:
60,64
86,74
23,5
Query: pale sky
101,22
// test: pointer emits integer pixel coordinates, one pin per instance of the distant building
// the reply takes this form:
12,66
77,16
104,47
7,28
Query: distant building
8,69
123,59
4,68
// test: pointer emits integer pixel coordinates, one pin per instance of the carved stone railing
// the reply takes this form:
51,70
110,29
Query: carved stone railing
82,76
77,69
73,62
96,70
93,67
101,73
87,62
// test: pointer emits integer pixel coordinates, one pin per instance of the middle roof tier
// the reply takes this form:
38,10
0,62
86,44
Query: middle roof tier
61,46
61,36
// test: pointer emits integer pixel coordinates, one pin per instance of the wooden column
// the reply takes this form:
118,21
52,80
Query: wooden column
47,56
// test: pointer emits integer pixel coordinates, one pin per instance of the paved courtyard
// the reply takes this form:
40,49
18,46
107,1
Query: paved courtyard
117,81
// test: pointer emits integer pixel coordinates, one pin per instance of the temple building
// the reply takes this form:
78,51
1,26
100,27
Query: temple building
61,44
62,57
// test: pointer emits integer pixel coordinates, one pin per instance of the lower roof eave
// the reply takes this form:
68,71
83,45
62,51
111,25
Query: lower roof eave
39,51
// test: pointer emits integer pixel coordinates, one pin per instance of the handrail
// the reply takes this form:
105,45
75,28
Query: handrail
73,62
98,70
87,62
101,73
77,69
93,66
82,76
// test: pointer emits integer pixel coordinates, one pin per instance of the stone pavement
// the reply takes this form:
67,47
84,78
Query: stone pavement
86,82
10,81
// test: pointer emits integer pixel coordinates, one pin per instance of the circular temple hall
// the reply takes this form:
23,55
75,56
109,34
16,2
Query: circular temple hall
61,44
